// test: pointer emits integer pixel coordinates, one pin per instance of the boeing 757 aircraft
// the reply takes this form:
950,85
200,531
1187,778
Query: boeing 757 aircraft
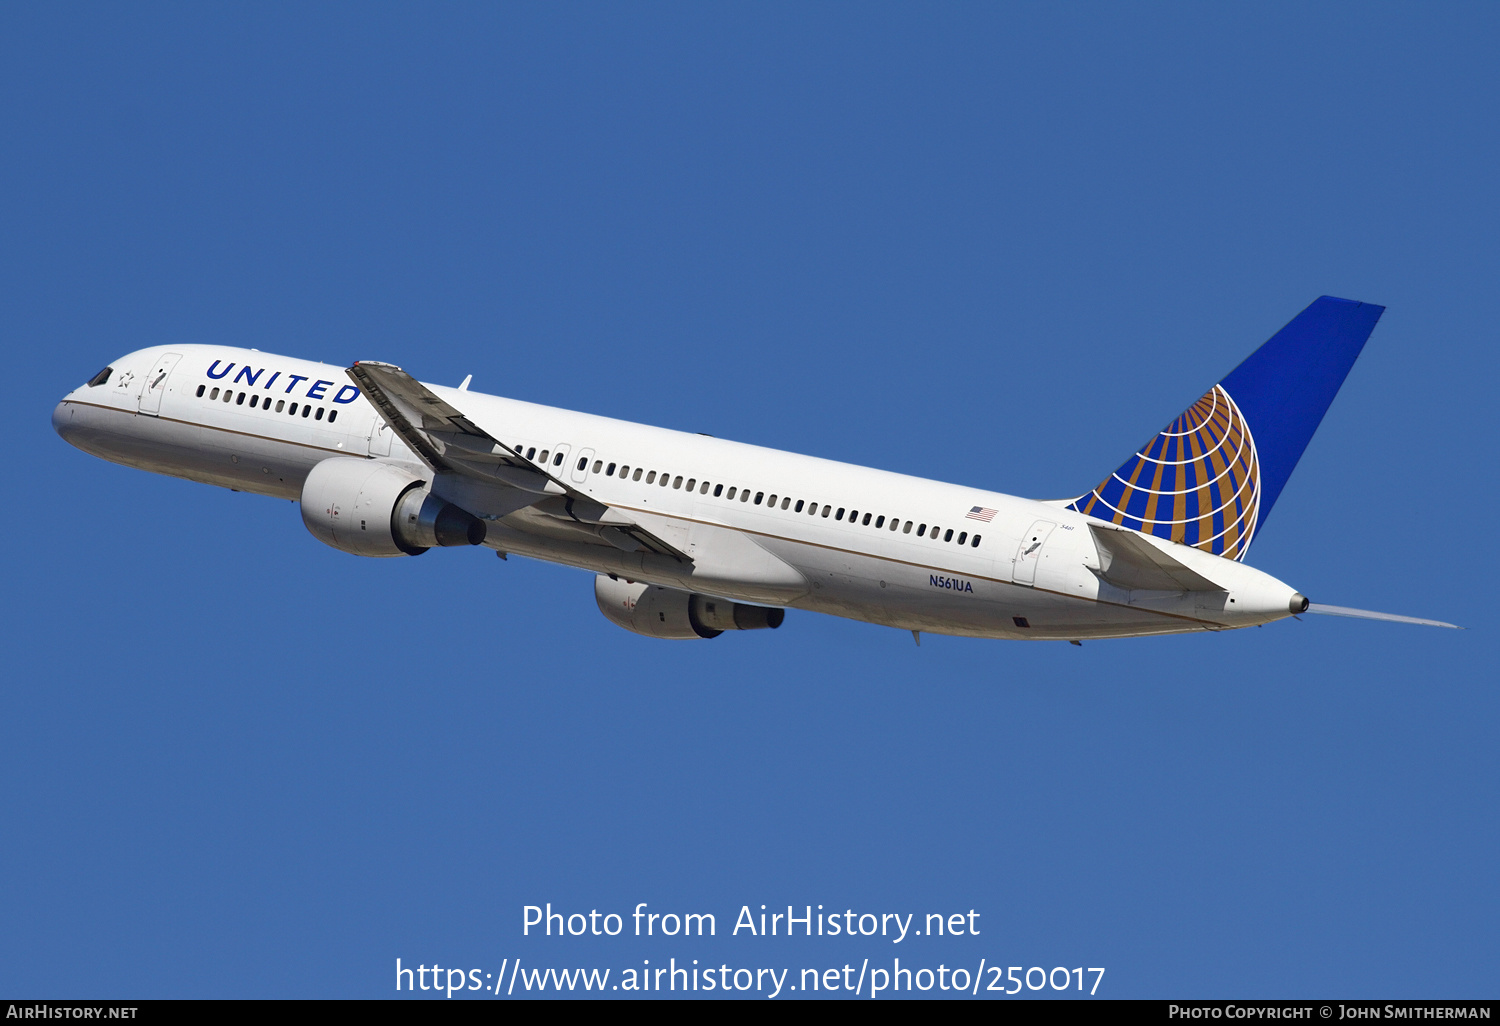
691,536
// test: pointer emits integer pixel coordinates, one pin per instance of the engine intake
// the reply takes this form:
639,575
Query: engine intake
370,508
658,612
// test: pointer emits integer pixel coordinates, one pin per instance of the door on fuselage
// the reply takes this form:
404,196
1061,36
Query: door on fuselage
155,385
581,466
1029,552
380,437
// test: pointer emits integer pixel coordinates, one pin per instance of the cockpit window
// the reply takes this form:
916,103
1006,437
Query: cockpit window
101,377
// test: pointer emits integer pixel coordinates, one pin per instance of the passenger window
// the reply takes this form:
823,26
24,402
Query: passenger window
666,479
292,410
306,409
692,483
827,510
320,414
718,490
677,482
331,415
214,394
103,376
744,495
610,471
785,503
759,496
771,501
840,514
651,477
200,390
254,401
557,460
280,405
921,530
975,543
598,464
907,528
730,496
228,395
963,537
799,506
530,453
704,489
542,459
879,522
583,462
241,400
866,521
637,476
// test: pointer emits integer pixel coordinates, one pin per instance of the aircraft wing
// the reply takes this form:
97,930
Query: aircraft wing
449,442
1127,560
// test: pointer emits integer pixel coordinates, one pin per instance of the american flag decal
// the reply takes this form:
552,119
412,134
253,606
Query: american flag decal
980,513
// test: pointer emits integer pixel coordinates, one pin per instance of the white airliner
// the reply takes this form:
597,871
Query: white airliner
691,535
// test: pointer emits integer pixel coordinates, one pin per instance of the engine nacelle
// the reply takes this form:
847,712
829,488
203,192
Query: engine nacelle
381,509
659,612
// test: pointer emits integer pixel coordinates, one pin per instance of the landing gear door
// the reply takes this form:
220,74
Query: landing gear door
155,385
1029,552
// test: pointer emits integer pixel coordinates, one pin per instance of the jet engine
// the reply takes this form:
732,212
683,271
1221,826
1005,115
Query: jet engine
660,612
381,509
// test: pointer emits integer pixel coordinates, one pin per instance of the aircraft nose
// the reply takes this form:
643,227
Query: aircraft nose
62,422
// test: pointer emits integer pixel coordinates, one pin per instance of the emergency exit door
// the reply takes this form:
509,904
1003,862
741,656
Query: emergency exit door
1029,552
155,385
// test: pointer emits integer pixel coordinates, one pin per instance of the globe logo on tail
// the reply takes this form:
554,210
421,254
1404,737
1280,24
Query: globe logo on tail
1197,482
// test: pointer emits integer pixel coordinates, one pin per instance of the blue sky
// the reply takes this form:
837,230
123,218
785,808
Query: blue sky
993,245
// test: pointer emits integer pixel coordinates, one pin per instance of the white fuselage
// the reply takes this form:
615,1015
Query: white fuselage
881,547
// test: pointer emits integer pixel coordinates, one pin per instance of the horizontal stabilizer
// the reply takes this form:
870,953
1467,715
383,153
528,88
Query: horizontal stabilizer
1366,614
1127,560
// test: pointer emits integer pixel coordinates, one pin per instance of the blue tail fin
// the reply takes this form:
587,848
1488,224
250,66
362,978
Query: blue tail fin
1210,478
